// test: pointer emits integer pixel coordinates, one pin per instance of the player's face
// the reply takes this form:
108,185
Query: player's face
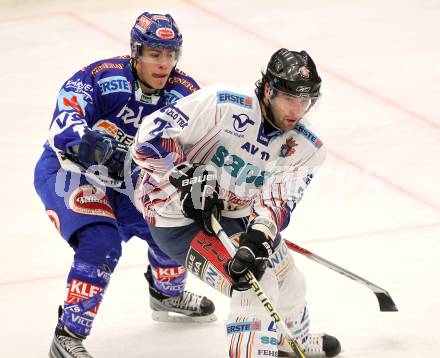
155,65
288,110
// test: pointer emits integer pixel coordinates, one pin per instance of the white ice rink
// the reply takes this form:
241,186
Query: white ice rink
374,208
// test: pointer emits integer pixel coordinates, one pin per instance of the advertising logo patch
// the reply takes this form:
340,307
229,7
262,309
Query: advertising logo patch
160,17
238,168
240,327
241,121
53,216
90,200
114,84
165,33
195,263
80,290
114,131
215,278
68,100
105,66
235,98
301,129
143,23
80,87
169,273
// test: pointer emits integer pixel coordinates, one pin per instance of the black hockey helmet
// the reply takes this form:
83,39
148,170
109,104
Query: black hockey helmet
293,73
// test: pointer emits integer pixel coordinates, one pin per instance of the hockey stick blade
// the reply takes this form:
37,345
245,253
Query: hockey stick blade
256,287
386,303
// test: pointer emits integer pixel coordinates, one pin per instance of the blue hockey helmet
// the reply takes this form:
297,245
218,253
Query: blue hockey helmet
155,31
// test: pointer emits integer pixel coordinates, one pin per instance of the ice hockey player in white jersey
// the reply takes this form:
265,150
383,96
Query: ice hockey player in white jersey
246,158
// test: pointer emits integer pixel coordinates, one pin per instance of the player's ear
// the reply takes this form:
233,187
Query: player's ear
266,90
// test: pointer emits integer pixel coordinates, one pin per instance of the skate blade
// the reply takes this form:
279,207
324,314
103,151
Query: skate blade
166,316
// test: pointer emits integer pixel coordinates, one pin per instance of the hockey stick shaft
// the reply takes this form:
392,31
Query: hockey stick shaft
256,287
386,303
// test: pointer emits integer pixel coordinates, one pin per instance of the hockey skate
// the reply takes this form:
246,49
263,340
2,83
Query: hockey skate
188,307
66,344
318,345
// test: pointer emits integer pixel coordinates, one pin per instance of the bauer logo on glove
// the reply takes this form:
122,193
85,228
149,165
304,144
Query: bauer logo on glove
198,179
199,197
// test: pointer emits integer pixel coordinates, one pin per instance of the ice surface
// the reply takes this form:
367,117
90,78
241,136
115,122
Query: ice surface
374,208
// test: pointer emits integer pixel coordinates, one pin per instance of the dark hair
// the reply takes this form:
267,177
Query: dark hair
259,86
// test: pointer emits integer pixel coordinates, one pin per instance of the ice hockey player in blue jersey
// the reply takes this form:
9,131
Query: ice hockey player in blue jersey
85,188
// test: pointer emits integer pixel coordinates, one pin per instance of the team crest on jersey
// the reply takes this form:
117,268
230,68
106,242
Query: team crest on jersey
288,149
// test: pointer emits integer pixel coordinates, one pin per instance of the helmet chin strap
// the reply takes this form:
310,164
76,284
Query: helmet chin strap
137,77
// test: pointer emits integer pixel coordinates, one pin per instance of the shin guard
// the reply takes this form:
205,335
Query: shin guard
86,285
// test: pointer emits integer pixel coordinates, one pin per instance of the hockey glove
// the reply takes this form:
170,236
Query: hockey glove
100,148
253,252
199,196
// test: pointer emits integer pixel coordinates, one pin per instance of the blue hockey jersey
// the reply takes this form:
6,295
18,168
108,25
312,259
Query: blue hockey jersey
104,95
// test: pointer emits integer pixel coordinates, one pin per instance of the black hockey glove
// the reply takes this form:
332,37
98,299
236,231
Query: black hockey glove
100,148
199,196
253,252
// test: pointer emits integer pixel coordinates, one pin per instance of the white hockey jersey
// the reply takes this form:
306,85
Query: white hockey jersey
259,173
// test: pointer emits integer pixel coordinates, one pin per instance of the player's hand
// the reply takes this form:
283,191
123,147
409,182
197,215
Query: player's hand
253,252
100,148
199,197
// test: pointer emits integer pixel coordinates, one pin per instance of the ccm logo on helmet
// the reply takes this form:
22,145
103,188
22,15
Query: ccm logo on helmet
165,33
198,179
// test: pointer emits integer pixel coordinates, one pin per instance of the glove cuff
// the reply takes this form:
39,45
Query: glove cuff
265,225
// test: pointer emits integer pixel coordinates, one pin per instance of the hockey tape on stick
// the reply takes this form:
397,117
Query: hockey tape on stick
386,303
256,287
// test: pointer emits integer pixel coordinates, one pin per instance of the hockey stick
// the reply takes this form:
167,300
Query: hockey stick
256,287
386,303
